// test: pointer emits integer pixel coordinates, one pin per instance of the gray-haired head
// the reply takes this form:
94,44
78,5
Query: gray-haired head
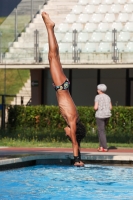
102,87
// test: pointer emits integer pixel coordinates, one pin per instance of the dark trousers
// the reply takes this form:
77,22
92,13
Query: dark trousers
101,123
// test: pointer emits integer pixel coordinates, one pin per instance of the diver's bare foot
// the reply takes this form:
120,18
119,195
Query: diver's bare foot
48,22
79,164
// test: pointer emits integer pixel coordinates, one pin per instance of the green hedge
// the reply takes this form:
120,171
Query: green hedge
46,123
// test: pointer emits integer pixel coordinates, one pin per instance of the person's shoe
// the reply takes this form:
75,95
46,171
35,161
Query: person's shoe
101,149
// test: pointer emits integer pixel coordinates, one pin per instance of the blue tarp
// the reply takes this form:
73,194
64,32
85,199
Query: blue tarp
7,6
0,106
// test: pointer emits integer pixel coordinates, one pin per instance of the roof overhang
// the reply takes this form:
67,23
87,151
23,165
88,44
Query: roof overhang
68,66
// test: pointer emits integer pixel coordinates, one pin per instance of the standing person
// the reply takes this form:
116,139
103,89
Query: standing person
103,106
74,130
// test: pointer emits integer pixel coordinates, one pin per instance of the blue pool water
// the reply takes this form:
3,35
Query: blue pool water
92,182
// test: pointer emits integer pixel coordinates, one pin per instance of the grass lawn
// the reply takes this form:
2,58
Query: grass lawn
18,143
11,81
8,29
2,19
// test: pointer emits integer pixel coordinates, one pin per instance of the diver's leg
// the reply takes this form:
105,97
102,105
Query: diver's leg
56,70
101,132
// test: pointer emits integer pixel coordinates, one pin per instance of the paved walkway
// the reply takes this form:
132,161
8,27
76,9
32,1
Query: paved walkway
42,150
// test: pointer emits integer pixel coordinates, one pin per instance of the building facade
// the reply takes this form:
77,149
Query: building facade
83,86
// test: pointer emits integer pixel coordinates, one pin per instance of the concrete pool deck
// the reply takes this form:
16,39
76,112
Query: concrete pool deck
10,156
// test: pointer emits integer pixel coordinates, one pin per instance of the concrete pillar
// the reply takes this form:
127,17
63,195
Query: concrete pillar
36,86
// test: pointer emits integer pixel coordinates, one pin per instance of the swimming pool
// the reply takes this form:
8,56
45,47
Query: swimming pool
49,182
